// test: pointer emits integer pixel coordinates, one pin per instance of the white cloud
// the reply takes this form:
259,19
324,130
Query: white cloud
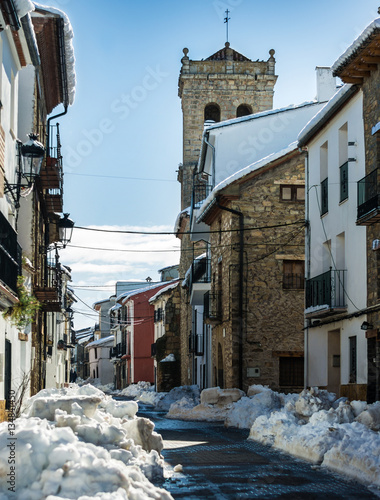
140,256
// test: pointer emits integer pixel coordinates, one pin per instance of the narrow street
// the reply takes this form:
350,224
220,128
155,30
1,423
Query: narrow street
219,463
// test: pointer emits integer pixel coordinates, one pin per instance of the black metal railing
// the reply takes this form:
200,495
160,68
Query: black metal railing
292,281
10,254
368,196
212,306
324,196
327,289
200,271
200,193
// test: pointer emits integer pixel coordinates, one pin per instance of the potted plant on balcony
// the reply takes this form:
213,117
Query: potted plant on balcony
24,311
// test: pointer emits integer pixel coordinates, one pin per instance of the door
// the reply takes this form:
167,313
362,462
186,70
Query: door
8,373
333,375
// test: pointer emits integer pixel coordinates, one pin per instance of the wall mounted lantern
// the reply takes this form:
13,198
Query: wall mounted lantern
65,228
366,326
32,153
30,159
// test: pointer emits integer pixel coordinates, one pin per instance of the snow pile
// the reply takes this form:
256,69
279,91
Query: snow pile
134,390
76,442
169,358
245,411
143,392
190,393
214,403
334,433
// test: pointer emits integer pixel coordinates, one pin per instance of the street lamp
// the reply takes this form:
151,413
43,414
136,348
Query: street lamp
32,153
65,228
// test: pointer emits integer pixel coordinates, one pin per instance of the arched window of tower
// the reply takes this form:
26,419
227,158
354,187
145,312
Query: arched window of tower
243,110
212,113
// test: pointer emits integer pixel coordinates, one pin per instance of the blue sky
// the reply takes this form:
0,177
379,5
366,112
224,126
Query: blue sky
122,138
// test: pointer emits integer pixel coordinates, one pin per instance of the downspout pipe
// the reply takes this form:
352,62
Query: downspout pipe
241,276
48,127
307,268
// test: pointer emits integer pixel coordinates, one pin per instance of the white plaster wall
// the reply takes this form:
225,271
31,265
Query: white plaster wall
341,218
246,142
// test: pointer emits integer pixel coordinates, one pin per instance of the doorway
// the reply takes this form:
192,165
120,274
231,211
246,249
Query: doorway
333,374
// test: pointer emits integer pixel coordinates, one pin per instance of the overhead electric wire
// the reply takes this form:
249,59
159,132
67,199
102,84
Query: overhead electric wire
122,177
169,233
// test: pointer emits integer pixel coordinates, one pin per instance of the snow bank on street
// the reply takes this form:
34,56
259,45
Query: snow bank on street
313,425
78,443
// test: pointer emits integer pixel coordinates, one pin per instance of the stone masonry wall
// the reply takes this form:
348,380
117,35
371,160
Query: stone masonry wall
272,316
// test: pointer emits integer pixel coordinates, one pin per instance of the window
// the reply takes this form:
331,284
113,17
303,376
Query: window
344,182
212,112
291,371
96,352
324,197
292,193
352,360
243,110
293,275
323,158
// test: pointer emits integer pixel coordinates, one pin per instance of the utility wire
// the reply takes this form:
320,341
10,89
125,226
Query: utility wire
187,232
121,177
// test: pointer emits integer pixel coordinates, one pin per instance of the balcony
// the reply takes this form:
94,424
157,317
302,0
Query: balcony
325,294
212,311
10,260
199,280
368,200
200,193
49,292
51,173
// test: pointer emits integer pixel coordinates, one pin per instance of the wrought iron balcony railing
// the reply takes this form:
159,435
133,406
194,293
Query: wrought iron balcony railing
368,199
326,291
10,254
200,193
200,271
212,306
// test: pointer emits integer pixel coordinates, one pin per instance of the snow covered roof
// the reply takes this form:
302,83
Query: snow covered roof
184,213
248,118
211,198
23,7
127,295
163,290
324,114
362,40
102,342
67,75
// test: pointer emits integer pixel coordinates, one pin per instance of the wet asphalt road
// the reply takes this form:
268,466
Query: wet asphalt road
220,463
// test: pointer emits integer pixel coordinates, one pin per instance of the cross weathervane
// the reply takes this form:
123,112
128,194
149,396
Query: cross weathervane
226,19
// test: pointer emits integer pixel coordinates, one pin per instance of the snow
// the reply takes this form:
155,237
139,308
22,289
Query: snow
169,358
162,291
356,44
323,113
69,49
242,173
23,7
78,443
314,425
184,213
100,342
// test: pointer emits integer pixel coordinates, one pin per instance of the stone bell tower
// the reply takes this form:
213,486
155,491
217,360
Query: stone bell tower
225,85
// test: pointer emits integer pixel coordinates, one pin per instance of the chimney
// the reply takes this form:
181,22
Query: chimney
326,84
